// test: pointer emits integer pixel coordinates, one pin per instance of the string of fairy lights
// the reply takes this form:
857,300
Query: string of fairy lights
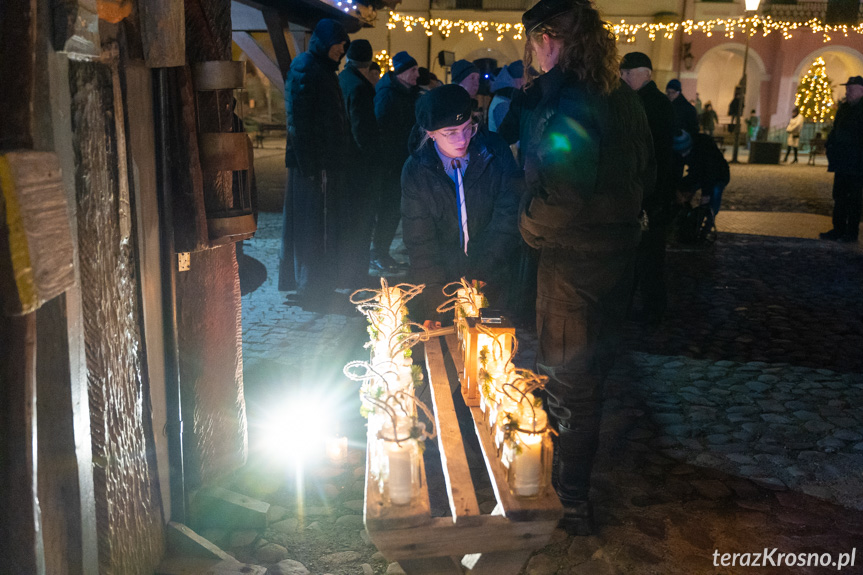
764,25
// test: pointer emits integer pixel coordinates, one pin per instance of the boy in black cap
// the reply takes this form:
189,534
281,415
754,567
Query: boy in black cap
636,70
395,97
458,221
316,151
845,159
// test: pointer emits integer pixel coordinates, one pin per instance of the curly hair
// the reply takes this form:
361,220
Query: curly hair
589,48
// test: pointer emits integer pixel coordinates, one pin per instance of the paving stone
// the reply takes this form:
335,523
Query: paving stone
271,553
341,558
288,567
816,426
757,386
711,489
774,418
541,564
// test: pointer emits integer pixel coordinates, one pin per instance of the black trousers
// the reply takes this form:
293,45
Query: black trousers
581,305
847,192
388,212
650,272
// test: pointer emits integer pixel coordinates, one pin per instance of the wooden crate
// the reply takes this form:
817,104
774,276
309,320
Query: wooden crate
467,542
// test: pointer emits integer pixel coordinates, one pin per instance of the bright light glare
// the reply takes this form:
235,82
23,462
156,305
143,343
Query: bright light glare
297,432
752,5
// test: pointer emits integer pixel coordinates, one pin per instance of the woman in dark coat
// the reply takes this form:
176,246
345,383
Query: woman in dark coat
446,238
588,160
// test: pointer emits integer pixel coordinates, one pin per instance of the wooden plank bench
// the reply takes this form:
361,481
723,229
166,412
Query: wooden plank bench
468,541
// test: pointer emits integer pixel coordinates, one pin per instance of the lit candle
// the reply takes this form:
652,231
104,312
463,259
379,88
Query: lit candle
337,449
526,465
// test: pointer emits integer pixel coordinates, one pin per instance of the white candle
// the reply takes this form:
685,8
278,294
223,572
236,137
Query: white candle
400,468
526,466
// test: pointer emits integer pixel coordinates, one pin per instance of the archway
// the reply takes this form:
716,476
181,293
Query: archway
719,71
842,63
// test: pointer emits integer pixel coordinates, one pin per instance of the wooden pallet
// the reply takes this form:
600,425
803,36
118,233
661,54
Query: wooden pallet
467,542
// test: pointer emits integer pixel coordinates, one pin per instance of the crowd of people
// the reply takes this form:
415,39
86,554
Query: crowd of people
559,194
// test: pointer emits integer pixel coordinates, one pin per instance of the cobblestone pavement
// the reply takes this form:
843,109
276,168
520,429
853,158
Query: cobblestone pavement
734,426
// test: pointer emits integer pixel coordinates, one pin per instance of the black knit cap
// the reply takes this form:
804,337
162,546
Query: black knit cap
545,10
462,69
360,51
635,60
444,107
403,62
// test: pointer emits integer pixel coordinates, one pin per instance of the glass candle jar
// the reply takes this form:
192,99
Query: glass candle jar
400,462
527,454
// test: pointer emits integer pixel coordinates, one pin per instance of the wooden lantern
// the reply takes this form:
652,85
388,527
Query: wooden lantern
494,333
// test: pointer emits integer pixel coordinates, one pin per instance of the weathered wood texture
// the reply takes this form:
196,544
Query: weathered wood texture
497,544
163,32
208,296
128,511
40,240
58,472
20,536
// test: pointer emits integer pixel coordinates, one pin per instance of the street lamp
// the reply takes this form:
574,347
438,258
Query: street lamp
751,8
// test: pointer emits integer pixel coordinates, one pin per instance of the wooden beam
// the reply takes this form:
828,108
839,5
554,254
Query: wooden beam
260,59
163,32
456,472
442,538
276,28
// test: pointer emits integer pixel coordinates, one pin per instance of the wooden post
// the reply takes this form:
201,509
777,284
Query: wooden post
163,31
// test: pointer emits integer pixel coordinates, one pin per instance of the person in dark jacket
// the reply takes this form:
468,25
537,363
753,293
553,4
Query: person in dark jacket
359,94
589,160
318,140
845,159
658,203
460,195
708,169
684,112
395,99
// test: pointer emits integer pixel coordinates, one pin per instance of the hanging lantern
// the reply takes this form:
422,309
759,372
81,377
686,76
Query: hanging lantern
488,338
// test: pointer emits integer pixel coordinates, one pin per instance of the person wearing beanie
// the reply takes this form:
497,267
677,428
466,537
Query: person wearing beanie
506,83
636,70
359,96
685,115
316,153
466,75
708,170
588,159
459,203
395,98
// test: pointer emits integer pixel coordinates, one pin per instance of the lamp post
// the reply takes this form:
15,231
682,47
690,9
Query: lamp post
751,9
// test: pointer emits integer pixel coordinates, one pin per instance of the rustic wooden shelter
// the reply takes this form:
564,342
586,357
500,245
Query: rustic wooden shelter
123,189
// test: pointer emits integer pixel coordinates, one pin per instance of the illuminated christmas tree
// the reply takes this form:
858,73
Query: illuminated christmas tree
814,94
